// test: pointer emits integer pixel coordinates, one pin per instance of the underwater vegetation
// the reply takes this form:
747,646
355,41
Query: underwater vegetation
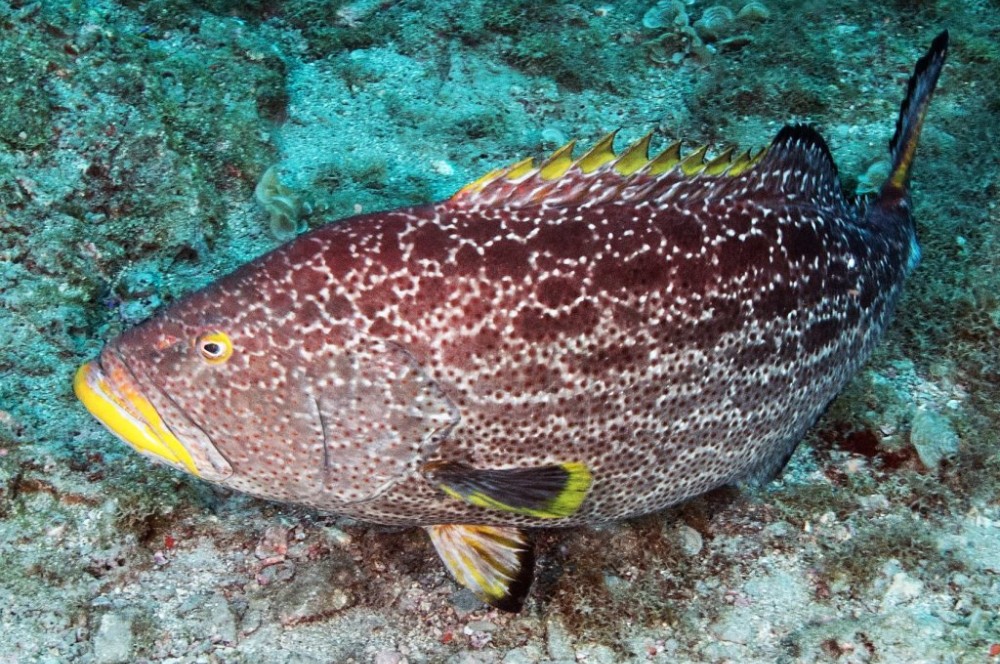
132,136
284,206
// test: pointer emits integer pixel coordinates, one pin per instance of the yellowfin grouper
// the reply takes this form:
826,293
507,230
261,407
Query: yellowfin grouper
576,342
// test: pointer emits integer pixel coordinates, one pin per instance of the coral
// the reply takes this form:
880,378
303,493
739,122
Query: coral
665,14
753,12
716,22
286,208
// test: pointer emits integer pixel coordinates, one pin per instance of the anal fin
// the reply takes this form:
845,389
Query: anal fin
497,563
545,492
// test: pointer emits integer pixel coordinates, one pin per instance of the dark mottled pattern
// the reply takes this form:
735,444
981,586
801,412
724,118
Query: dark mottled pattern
673,332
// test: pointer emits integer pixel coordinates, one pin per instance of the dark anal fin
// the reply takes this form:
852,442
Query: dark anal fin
497,563
544,492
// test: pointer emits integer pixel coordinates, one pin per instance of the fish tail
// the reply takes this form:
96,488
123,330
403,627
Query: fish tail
903,145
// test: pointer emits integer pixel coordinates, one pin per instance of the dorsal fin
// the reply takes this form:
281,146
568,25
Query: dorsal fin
798,164
599,174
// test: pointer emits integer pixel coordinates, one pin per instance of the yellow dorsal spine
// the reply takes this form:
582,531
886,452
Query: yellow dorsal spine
635,156
520,169
600,154
666,160
694,163
720,163
557,165
739,164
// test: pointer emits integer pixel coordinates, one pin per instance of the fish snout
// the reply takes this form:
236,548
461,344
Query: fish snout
108,389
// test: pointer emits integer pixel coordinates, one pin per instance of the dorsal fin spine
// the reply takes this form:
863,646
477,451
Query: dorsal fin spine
694,163
519,170
600,154
739,164
634,157
666,160
721,163
556,166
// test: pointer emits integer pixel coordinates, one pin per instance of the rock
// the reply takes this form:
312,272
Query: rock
688,539
557,640
903,589
217,620
598,654
932,435
528,654
316,592
113,641
389,657
734,627
465,603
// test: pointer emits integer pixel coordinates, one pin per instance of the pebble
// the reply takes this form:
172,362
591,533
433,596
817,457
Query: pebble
442,167
465,603
689,540
876,501
280,573
113,641
474,657
389,657
274,543
480,626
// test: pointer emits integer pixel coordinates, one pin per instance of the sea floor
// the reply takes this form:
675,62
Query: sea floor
132,138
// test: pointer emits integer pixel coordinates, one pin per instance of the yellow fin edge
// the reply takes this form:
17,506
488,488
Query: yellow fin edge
633,159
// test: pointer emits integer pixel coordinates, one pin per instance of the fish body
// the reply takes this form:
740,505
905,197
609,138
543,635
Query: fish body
578,342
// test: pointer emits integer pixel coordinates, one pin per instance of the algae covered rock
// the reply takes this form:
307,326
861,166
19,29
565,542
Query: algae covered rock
934,438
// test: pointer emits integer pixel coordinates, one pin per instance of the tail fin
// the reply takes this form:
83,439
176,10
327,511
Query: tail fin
903,145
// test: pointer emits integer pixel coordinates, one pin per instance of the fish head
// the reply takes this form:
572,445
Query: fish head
276,403
167,387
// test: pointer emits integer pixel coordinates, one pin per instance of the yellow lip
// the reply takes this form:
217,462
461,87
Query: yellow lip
119,406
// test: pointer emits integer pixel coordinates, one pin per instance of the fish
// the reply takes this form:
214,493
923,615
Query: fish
575,342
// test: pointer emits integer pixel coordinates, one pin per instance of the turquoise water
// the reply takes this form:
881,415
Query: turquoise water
132,138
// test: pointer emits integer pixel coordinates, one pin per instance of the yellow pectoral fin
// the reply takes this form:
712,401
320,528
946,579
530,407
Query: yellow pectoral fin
546,492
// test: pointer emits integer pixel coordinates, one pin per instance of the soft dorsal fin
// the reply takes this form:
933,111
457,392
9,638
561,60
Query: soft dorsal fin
798,164
599,174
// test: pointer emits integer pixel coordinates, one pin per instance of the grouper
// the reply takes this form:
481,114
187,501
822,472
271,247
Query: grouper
574,342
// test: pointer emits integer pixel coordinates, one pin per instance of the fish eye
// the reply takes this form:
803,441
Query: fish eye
215,347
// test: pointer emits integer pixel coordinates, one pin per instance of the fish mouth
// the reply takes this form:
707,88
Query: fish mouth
107,389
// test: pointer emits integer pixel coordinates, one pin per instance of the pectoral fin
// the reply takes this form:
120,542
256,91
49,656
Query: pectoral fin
545,492
496,563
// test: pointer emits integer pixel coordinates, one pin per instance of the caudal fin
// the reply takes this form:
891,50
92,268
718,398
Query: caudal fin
903,145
